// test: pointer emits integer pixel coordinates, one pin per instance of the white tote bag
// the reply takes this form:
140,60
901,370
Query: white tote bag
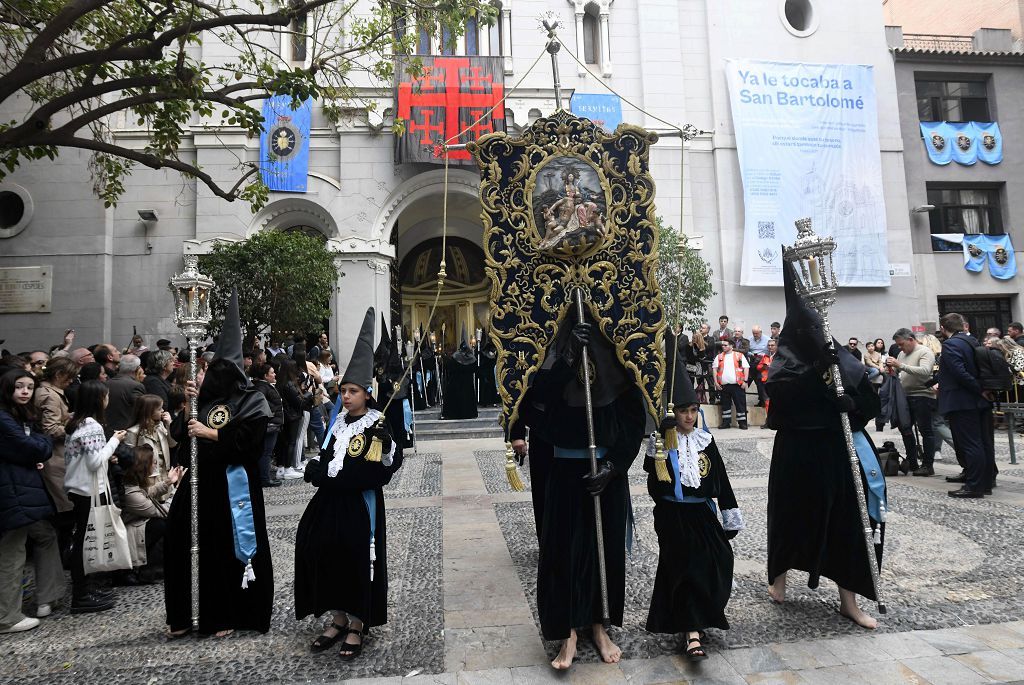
106,540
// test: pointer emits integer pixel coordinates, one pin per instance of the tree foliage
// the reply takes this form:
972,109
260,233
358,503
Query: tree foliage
76,71
284,281
684,277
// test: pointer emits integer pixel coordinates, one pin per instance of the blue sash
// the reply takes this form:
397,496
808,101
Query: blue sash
582,453
330,422
370,499
244,528
873,475
407,416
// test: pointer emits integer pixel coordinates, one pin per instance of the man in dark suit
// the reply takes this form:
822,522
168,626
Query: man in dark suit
124,389
967,408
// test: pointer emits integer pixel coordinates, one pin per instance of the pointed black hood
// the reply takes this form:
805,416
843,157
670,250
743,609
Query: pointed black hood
229,343
382,355
802,335
360,367
464,355
682,390
426,349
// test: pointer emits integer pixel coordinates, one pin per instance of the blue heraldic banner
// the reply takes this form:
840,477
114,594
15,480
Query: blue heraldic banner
994,250
284,144
964,143
604,110
936,136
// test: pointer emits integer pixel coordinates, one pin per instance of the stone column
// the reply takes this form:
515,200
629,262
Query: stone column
606,51
364,280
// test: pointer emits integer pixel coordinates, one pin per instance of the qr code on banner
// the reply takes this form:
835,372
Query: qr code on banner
766,230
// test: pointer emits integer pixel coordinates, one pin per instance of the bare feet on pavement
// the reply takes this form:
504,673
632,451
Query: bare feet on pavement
610,652
568,652
848,609
777,590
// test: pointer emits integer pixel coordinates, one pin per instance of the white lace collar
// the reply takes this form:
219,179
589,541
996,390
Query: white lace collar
343,433
690,446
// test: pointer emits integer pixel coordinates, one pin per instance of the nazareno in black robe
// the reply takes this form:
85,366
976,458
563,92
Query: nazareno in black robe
223,603
813,516
459,399
332,543
695,559
488,382
568,584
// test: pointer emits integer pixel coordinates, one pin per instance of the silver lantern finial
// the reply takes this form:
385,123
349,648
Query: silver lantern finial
192,291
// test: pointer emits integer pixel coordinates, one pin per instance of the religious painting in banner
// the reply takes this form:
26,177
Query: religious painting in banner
568,207
284,144
452,95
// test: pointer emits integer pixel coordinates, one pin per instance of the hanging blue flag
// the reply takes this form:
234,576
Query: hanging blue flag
937,141
603,109
965,146
975,246
284,144
1002,263
989,142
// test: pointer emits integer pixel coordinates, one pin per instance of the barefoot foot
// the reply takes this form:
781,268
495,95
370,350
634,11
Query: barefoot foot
848,609
777,590
610,652
568,652
223,633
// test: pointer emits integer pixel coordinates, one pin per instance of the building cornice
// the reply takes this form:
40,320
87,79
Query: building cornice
957,57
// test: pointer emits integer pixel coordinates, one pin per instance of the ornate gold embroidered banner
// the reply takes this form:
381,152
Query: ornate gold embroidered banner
567,205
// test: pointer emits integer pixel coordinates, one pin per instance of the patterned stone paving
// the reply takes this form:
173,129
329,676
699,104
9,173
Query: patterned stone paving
947,564
127,645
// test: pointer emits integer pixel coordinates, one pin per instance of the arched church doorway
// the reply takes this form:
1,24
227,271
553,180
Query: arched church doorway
463,305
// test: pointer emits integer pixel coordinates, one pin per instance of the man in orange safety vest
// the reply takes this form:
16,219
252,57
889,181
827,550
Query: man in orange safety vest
730,370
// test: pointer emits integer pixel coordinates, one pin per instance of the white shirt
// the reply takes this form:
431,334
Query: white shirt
729,370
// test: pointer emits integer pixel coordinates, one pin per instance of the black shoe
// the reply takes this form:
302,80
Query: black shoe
988,491
925,470
964,493
100,592
88,604
724,426
962,478
904,467
272,484
325,642
349,651
743,425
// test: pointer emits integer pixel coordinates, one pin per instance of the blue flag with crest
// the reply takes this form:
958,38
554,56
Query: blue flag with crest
284,144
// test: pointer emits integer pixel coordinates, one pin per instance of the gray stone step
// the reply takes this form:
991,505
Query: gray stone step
430,425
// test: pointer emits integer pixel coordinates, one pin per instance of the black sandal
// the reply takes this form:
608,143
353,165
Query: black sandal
697,652
325,642
350,651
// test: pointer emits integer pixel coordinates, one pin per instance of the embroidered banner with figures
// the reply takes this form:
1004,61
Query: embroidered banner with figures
452,95
964,143
979,249
284,144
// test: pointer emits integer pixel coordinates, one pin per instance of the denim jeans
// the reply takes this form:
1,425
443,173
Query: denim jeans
269,443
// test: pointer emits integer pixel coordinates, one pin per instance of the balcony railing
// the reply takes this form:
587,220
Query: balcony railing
927,41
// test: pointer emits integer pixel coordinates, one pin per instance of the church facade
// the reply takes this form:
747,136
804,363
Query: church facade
383,217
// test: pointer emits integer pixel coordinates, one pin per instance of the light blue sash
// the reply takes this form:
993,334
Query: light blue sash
873,474
330,422
582,453
244,528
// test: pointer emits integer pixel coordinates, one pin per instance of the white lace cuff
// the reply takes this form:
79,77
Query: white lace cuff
732,519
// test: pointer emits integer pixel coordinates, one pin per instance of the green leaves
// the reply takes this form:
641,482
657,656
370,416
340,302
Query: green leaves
284,279
684,278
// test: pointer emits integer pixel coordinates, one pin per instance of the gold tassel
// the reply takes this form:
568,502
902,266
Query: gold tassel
514,481
376,451
661,461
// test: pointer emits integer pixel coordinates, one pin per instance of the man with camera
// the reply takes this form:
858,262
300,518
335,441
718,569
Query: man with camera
914,366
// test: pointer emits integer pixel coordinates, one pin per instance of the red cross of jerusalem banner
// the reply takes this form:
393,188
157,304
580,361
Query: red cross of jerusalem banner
449,97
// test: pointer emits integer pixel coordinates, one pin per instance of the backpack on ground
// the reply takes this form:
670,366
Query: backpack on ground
890,458
994,372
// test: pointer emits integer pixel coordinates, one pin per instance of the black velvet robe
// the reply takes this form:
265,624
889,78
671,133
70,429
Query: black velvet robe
459,390
488,383
568,584
813,517
695,559
223,603
332,543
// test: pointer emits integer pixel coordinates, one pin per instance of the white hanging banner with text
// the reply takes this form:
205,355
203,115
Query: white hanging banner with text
807,142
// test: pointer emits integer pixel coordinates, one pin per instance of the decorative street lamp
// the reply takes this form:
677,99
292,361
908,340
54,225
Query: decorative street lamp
192,291
811,257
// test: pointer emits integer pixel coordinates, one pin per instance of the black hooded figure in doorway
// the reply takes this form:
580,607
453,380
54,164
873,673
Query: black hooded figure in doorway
233,418
459,387
813,516
488,382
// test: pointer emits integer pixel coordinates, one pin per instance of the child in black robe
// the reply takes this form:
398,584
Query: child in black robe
341,542
695,563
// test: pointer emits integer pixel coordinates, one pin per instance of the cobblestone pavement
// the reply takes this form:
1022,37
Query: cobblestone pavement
462,603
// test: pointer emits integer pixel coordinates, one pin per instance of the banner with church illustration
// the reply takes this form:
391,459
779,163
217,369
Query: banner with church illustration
979,249
451,95
284,144
964,143
807,142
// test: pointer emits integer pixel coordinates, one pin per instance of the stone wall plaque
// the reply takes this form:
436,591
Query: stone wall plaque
25,289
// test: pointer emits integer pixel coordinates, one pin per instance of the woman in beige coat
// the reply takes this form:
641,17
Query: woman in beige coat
150,426
52,409
144,513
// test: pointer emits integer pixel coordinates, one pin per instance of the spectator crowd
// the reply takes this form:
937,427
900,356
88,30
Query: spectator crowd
82,427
